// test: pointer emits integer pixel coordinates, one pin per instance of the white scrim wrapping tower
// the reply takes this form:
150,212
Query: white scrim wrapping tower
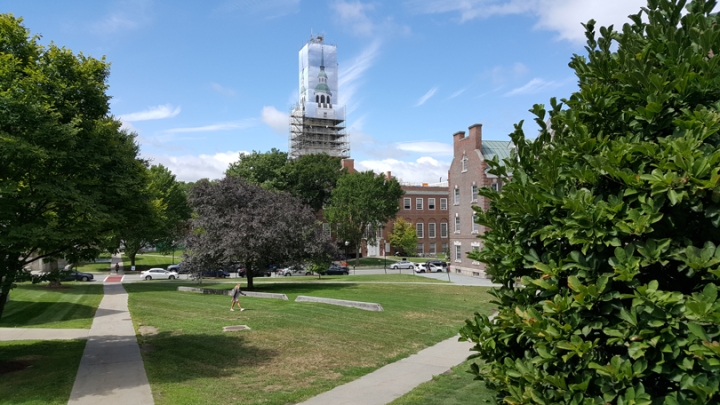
317,121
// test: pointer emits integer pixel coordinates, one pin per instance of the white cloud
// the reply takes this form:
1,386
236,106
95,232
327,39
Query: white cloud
535,85
430,148
152,113
352,73
226,126
195,167
267,9
126,15
277,120
457,93
353,15
519,69
426,97
423,170
561,16
222,90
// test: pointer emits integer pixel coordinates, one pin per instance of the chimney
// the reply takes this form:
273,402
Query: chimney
348,164
387,175
476,135
458,136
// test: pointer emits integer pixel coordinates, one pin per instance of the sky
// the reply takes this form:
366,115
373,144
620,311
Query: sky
202,82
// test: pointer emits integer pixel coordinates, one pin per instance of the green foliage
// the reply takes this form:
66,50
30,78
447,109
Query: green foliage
403,236
262,169
359,202
610,223
68,173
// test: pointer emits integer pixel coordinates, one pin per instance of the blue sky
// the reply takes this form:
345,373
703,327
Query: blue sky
201,82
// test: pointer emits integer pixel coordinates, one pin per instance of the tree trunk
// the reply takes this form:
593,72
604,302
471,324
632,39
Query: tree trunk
9,267
357,254
249,275
3,298
132,258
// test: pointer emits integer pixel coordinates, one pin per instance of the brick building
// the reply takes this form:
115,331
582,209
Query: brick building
468,172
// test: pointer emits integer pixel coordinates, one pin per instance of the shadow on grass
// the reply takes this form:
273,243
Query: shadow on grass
33,313
66,287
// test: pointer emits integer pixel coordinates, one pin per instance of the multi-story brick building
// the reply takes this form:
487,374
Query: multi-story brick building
468,172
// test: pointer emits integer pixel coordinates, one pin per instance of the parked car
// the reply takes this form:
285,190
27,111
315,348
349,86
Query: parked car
178,268
402,264
443,265
420,267
220,273
296,270
336,270
158,274
78,276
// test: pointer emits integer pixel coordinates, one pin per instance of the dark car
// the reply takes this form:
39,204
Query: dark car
335,270
178,268
78,276
220,273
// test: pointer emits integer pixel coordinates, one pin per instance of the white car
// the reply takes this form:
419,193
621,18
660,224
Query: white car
294,271
158,274
402,264
427,268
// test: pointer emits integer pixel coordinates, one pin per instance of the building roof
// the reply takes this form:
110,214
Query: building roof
501,149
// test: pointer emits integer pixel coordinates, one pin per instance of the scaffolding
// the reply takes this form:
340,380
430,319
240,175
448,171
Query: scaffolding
309,135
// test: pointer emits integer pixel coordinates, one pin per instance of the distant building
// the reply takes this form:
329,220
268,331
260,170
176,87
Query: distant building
469,172
317,122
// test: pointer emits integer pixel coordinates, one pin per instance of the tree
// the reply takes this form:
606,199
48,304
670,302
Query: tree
310,177
403,236
237,221
611,223
161,220
68,173
361,201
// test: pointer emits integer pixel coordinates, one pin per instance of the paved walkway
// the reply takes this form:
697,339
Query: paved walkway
7,334
388,383
111,370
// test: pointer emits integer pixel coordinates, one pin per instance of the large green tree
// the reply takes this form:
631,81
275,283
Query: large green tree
262,169
611,223
162,215
68,173
404,236
359,203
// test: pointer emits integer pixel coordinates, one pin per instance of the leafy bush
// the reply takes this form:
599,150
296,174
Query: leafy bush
610,223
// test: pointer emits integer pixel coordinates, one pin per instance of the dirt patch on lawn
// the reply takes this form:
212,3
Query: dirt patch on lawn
148,330
7,367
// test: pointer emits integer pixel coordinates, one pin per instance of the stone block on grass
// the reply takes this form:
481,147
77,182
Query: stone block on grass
367,306
229,292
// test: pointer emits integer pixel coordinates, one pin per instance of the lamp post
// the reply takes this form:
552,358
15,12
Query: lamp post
347,243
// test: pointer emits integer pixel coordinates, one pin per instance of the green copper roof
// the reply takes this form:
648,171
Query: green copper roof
322,73
501,149
322,87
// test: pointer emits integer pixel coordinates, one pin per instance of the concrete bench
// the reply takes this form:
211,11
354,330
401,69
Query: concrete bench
367,306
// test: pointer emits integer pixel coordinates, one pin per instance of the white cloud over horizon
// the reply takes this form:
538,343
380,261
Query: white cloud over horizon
430,148
275,119
152,113
196,167
423,170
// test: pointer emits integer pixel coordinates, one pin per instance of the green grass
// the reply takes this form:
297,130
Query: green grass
38,306
456,387
150,260
43,372
389,278
93,267
294,350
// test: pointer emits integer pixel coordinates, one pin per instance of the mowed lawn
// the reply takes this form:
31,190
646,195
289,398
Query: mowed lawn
150,260
294,350
72,305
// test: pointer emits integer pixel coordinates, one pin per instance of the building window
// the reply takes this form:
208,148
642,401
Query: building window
432,249
464,163
406,203
419,204
443,203
431,203
474,192
476,226
458,253
445,249
457,196
444,230
419,229
431,230
495,187
420,249
457,224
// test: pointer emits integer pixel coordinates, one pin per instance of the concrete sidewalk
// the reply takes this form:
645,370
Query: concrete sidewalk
394,380
111,370
7,334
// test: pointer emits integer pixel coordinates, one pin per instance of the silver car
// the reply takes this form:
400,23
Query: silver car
402,264
158,274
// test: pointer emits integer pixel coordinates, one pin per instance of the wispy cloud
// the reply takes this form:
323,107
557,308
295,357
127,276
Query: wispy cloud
266,9
196,167
537,85
457,93
222,90
152,113
429,148
426,97
561,16
227,126
126,15
277,120
354,15
351,74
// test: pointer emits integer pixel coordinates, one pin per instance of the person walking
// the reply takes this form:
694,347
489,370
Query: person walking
236,293
117,268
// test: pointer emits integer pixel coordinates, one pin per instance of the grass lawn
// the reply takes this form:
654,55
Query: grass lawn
38,306
456,387
294,350
38,372
150,260
389,278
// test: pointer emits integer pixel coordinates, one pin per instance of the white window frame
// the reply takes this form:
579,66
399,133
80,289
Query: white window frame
433,248
431,203
457,224
457,196
419,204
419,230
475,225
474,192
407,202
445,247
495,187
444,229
464,161
432,234
458,253
443,204
420,248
